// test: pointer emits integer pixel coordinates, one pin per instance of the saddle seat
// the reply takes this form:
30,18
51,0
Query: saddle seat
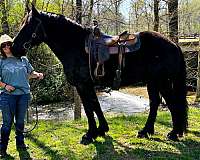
110,44
122,38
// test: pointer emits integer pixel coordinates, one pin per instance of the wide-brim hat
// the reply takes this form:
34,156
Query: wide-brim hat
5,38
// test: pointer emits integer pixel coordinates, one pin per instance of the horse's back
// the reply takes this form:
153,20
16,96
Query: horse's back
159,50
157,56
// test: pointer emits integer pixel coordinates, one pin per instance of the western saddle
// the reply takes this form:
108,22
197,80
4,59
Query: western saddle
101,46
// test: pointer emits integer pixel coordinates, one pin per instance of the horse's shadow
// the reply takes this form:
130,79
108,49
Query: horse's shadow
24,154
105,150
196,133
7,157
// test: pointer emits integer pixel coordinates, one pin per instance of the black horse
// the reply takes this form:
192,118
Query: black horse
159,63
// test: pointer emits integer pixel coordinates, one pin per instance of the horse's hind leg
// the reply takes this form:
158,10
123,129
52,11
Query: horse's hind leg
91,105
154,99
169,95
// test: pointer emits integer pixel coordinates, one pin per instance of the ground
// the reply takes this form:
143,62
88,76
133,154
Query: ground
138,91
142,91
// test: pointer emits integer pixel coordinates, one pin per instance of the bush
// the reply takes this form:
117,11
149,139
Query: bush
53,88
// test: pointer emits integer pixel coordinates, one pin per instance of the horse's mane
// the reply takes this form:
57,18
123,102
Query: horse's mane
61,20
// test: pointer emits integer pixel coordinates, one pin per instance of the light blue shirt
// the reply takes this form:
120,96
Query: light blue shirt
15,71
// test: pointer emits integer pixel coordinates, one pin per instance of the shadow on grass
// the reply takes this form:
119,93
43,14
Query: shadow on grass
106,151
187,149
196,133
48,150
8,157
112,149
24,154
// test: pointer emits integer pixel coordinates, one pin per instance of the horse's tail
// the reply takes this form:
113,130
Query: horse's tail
180,89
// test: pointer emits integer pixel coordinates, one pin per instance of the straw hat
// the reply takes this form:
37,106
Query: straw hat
5,38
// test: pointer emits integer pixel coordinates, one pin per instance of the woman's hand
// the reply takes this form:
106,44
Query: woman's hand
9,88
35,74
40,76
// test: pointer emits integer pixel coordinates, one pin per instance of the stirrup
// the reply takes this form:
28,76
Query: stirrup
99,70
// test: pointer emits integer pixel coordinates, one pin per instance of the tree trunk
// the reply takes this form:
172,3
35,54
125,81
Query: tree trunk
34,2
156,15
62,7
79,11
116,20
4,19
90,12
173,20
77,101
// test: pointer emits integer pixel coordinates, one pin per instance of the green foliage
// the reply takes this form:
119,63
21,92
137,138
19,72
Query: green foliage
60,140
189,16
53,88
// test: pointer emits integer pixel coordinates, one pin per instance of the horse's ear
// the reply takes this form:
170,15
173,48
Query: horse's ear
34,10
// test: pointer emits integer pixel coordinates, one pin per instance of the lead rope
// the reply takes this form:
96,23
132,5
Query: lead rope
36,113
36,121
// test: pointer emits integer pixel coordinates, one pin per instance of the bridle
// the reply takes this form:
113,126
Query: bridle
27,45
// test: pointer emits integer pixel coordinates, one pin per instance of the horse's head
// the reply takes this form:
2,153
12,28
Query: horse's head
32,33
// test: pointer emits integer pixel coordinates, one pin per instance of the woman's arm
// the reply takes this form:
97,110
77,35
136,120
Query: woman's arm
35,74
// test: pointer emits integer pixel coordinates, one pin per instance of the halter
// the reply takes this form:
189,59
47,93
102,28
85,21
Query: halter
27,45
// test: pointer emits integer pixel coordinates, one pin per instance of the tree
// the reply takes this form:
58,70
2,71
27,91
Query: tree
156,15
117,5
90,11
79,11
173,20
77,108
4,19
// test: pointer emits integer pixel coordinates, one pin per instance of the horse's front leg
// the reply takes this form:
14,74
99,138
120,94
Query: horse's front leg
91,105
154,99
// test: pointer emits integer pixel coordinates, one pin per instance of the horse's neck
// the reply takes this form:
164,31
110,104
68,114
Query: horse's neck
65,35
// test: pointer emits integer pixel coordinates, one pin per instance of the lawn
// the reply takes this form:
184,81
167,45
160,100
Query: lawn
59,140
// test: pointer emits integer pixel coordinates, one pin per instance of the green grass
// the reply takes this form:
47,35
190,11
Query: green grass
53,140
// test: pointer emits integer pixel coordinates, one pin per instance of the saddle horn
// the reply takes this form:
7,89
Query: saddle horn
123,33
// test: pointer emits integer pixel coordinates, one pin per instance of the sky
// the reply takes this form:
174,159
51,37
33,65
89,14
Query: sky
125,7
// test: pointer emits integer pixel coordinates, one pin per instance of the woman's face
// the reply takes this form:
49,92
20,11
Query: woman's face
6,47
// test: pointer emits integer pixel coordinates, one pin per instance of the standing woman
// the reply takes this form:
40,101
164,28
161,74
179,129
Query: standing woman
14,79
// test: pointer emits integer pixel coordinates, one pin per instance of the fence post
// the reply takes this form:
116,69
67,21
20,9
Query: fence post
197,99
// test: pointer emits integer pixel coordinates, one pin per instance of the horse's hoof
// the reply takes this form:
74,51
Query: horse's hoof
172,136
142,134
88,138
